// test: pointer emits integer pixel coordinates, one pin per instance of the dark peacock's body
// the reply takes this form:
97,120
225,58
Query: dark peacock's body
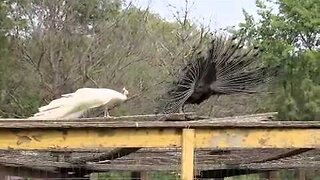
227,68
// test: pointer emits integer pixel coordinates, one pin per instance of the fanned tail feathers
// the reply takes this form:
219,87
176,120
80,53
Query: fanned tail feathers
228,67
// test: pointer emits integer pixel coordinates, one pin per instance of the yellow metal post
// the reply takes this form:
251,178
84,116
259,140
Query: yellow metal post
188,143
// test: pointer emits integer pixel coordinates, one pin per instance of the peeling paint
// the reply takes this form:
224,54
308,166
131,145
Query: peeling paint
262,141
106,132
23,139
36,138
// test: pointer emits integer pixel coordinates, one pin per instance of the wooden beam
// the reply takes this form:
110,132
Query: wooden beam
104,157
301,174
258,138
254,121
205,167
284,155
188,142
146,117
205,123
100,138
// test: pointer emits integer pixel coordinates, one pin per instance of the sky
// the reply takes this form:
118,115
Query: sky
213,13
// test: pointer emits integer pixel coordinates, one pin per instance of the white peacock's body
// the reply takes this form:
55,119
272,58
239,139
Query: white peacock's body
75,104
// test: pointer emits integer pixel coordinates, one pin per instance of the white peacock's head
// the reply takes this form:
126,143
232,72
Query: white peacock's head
125,91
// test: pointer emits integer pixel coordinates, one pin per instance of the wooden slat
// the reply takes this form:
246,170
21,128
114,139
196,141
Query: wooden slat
284,155
159,124
145,117
249,121
113,154
176,167
159,161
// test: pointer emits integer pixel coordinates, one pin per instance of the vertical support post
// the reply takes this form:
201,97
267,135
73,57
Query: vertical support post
135,175
139,175
187,159
273,175
144,175
301,174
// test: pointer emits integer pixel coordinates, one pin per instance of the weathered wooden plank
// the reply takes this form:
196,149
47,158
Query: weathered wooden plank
206,123
169,160
148,117
160,124
145,117
176,167
130,124
200,167
130,121
113,154
284,155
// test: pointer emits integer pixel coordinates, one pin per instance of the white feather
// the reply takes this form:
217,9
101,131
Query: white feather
75,104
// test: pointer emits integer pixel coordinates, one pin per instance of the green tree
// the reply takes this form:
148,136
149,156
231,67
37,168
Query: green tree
290,38
60,46
11,103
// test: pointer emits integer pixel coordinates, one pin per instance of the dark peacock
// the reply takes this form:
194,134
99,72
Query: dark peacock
228,67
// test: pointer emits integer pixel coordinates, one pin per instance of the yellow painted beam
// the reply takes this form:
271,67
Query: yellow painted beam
80,138
187,159
258,138
88,138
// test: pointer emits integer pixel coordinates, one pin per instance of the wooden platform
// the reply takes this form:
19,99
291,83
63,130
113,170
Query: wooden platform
82,146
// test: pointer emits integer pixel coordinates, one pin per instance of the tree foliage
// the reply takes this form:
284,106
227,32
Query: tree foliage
53,47
56,47
290,38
